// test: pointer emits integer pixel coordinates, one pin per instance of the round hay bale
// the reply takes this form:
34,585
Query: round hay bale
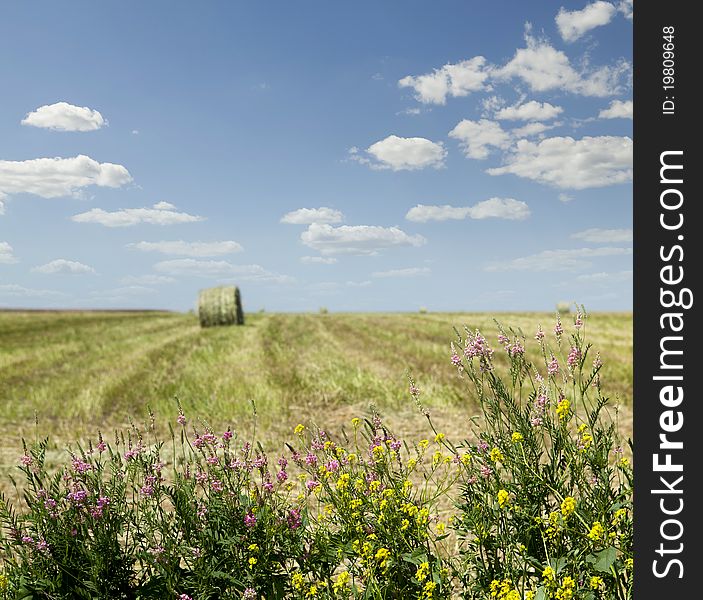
220,306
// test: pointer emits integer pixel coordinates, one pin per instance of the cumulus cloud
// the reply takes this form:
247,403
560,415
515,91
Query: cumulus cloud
543,68
625,7
356,239
454,80
567,163
401,154
182,248
476,138
305,216
604,236
318,260
410,272
6,254
2,208
64,267
13,289
530,129
529,111
146,280
219,268
618,109
57,177
63,116
575,23
127,217
164,206
558,260
498,208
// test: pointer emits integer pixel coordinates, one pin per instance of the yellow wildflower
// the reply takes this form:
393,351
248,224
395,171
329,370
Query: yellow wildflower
563,408
548,574
382,555
422,571
440,528
568,506
595,583
299,428
424,443
252,561
503,498
439,438
517,437
297,581
596,532
342,580
355,422
496,455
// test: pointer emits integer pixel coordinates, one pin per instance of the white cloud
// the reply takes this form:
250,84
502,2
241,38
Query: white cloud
529,111
543,68
164,206
567,163
12,289
498,208
123,292
410,272
127,217
477,137
2,208
182,248
557,260
604,236
565,197
531,129
63,266
63,116
402,154
146,280
573,24
320,260
219,268
6,255
356,239
56,177
305,216
454,80
625,7
618,109
604,278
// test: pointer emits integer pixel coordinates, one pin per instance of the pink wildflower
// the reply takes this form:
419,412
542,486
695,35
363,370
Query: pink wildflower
250,519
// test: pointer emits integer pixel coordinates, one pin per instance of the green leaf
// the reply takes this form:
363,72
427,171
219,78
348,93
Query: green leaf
605,559
541,593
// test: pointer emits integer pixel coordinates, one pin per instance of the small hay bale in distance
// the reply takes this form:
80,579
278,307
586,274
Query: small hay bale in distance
220,306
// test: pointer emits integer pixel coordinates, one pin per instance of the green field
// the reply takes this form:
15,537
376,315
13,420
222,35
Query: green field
79,372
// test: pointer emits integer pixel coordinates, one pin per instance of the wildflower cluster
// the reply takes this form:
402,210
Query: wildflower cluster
326,519
546,495
542,492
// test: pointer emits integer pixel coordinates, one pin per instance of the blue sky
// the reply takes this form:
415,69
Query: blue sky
450,155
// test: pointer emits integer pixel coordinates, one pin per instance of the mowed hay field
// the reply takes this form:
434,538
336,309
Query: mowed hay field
77,372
